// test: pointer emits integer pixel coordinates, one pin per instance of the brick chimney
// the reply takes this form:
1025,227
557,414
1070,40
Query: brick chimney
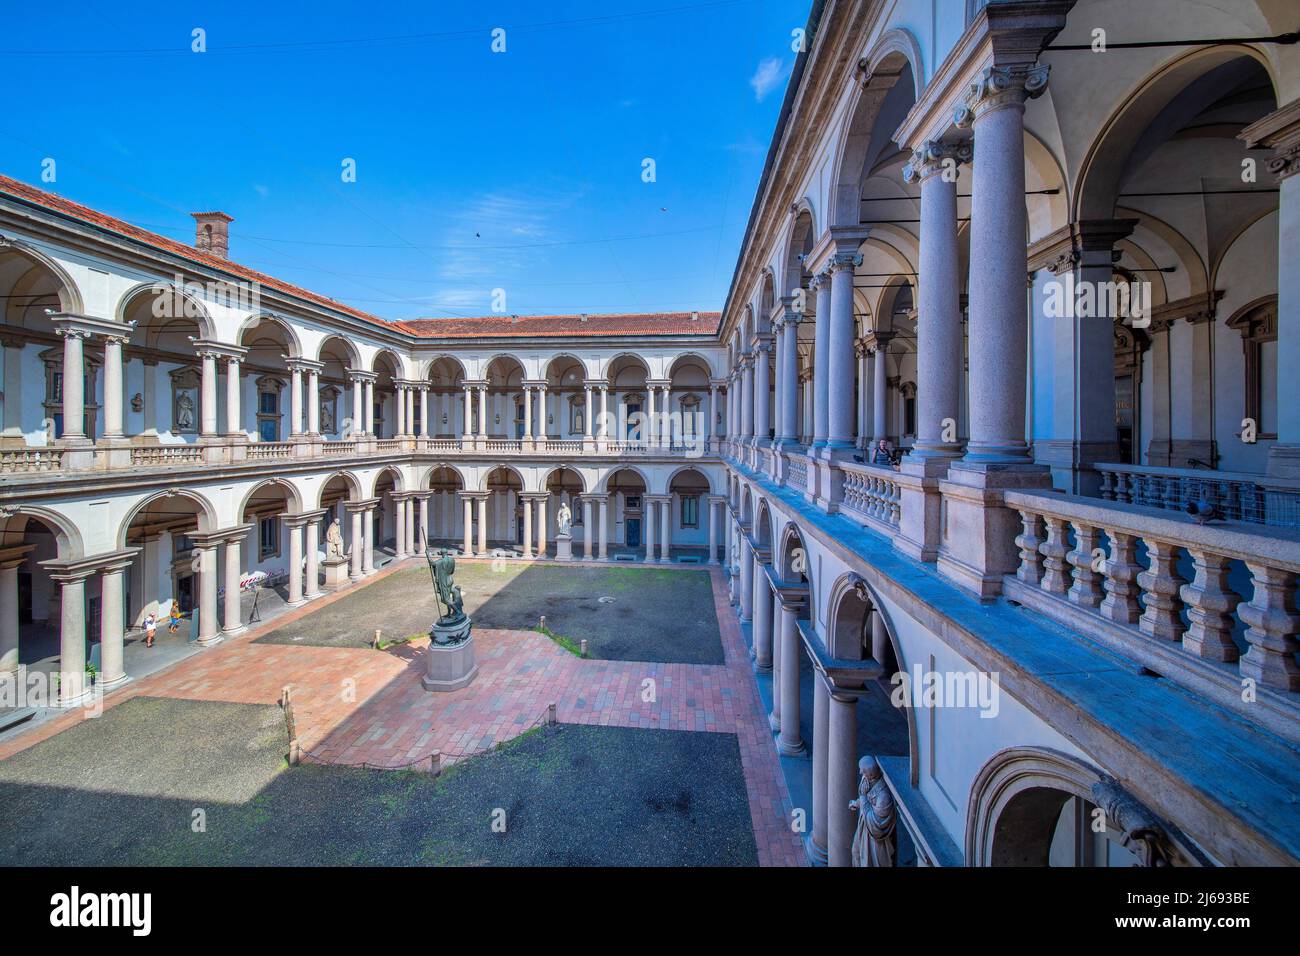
212,233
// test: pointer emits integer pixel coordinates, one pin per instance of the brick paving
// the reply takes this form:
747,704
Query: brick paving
356,706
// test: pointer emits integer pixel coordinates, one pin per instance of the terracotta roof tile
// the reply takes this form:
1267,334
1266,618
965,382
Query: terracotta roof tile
645,323
525,326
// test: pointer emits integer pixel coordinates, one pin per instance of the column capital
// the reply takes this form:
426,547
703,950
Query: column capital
205,348
86,326
65,570
362,506
361,375
818,280
1279,131
843,260
1001,87
933,157
297,364
211,539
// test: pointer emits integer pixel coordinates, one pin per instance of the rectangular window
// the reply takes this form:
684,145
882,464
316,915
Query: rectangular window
690,511
268,403
268,429
182,545
268,537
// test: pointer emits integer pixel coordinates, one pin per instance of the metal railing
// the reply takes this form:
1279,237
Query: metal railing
1236,496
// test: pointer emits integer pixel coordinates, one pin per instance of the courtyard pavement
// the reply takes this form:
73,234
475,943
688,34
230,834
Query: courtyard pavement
357,706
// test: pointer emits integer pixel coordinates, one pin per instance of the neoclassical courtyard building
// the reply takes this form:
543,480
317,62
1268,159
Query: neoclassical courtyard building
1012,301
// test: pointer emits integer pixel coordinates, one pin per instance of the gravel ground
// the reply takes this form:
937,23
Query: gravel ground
662,615
123,790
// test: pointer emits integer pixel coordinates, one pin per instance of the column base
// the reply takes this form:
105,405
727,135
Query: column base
79,701
791,750
298,603
774,721
212,641
235,631
817,855
107,685
760,668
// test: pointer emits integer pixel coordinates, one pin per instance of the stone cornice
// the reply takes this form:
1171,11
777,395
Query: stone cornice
1279,131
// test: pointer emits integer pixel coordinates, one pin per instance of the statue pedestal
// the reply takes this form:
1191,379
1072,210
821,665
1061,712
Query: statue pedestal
451,663
563,547
336,573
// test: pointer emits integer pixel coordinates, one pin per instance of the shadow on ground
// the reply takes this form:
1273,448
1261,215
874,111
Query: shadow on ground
132,787
652,614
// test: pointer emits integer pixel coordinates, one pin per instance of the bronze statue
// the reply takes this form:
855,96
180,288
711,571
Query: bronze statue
442,567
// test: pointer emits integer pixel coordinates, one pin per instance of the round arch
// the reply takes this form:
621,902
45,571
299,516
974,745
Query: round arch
682,469
290,334
634,469
70,298
763,524
349,349
206,512
350,480
562,470
509,469
201,318
427,475
451,360
291,493
67,537
399,483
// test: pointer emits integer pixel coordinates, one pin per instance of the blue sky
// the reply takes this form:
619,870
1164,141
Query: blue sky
475,170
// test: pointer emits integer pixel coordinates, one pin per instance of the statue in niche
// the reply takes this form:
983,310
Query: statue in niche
185,410
327,418
564,518
876,841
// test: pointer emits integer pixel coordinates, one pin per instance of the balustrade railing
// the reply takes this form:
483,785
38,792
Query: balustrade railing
25,461
262,451
797,474
1236,496
1211,607
149,456
338,448
872,492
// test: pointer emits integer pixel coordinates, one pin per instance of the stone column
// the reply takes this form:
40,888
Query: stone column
790,742
541,524
839,416
762,390
939,333
399,409
649,521
424,411
995,110
111,627
604,413
762,631
209,625
358,406
468,520
586,528
879,380
588,410
293,525
841,777
821,287
604,528
295,401
467,432
233,415
113,386
9,613
528,415
424,521
313,401
74,389
542,434
482,411
368,407
72,632
313,560
357,546
788,415
1279,132
412,542
399,528
747,399
665,527
368,558
746,557
816,845
711,431
232,624
482,525
863,353
713,529
410,410
13,361
528,527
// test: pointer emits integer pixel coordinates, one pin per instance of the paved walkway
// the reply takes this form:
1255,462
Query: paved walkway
362,706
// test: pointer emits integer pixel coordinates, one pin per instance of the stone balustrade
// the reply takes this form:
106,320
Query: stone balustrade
156,456
872,492
24,461
263,451
1237,496
333,449
797,471
1210,606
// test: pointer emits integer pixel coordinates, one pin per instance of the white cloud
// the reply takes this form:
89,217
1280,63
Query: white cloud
770,74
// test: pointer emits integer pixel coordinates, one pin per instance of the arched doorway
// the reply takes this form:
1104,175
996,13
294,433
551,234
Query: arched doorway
627,489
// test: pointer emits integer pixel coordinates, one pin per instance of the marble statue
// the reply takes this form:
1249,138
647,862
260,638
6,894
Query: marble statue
184,411
564,518
876,841
334,540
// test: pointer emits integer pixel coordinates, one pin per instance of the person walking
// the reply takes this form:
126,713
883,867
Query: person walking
174,624
150,629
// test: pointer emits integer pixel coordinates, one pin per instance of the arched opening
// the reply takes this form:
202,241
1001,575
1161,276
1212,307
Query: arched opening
388,417
566,414
447,398
266,383
688,516
501,521
629,399
506,411
627,490
446,525
340,393
389,537
565,487
30,289
692,415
